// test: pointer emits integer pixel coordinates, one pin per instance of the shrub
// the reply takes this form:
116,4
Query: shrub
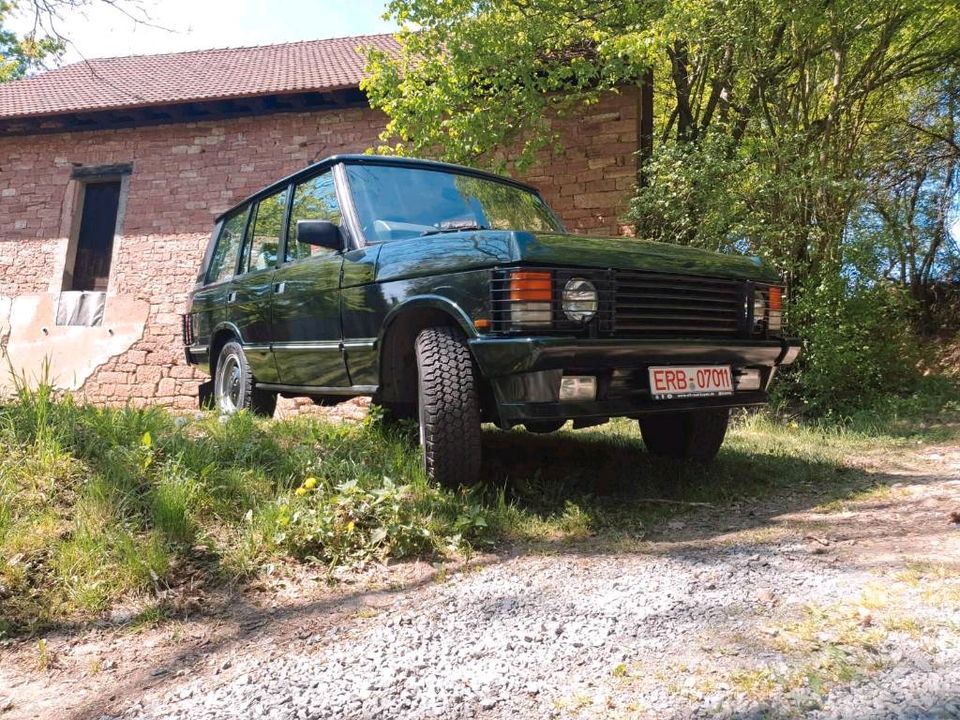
858,346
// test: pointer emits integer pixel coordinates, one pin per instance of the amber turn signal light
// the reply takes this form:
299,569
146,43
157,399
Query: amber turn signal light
776,298
528,286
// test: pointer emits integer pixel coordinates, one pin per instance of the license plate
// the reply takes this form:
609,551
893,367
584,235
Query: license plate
700,381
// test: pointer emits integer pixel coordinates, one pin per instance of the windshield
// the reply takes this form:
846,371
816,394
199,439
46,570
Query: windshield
402,202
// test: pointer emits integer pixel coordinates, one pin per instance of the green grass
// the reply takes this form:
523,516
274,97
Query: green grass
100,505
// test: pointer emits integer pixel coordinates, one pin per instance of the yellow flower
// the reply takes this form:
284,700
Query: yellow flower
310,483
350,526
300,491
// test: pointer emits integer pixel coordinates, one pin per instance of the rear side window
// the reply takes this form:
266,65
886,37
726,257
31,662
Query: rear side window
264,239
224,260
314,199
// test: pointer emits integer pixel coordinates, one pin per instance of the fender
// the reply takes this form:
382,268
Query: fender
229,327
431,302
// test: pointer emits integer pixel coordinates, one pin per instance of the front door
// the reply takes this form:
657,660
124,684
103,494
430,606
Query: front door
307,341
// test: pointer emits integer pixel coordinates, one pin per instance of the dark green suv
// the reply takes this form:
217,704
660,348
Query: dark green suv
456,297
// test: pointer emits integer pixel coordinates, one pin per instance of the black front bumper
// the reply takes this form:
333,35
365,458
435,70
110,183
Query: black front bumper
524,374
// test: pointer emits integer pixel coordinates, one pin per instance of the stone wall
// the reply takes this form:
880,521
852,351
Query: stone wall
183,176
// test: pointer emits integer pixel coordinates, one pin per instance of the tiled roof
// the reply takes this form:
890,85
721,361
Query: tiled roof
144,80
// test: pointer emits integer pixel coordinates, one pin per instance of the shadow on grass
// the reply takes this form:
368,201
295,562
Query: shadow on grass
605,485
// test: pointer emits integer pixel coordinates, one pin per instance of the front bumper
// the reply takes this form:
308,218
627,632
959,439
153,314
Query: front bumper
525,373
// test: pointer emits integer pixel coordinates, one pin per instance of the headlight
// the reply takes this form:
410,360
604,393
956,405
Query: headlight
579,300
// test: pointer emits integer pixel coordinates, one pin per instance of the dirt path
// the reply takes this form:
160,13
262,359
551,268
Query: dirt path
781,606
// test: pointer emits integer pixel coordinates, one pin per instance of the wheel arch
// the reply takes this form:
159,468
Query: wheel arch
222,334
397,359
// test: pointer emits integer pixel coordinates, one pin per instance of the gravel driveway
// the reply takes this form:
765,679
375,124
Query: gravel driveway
851,612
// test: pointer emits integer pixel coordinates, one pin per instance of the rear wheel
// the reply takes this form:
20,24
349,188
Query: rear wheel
695,435
448,407
233,385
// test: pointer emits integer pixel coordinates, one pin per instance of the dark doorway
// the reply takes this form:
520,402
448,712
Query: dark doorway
91,269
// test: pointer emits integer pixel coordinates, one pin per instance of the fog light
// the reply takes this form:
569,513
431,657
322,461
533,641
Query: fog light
578,387
748,379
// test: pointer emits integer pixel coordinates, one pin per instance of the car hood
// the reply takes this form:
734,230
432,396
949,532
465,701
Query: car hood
457,252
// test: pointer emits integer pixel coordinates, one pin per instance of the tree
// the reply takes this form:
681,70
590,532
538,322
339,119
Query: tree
44,41
780,125
781,97
20,54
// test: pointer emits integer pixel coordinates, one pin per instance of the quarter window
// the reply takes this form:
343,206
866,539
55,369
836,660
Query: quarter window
315,199
224,260
264,239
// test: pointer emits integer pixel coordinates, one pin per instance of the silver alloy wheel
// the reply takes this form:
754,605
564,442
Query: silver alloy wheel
228,387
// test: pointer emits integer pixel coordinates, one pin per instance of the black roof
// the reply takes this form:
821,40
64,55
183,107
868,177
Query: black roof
363,159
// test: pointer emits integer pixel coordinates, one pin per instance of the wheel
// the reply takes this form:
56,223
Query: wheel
448,407
542,427
233,388
694,435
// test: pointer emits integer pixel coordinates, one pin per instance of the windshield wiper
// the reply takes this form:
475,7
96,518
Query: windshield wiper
454,228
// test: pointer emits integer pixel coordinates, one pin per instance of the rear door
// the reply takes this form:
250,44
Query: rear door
307,340
209,306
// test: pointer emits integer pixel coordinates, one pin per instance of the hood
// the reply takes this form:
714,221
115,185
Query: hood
468,250
634,254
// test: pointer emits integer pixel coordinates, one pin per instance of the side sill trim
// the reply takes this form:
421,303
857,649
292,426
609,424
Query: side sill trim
316,346
348,391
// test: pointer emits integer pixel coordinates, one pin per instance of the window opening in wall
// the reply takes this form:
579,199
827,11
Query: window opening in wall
98,223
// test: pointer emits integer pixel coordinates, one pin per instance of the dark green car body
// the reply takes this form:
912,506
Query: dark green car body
342,322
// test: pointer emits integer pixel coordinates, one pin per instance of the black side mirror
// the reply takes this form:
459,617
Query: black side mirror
319,232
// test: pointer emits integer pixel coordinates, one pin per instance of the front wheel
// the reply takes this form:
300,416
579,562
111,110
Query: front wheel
233,388
694,435
448,407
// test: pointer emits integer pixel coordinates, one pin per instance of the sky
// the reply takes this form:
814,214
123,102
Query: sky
176,25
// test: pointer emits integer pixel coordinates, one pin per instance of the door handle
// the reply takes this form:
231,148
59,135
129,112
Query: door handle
278,288
232,296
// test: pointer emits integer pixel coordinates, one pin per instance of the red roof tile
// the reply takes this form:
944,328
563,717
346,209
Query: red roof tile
144,80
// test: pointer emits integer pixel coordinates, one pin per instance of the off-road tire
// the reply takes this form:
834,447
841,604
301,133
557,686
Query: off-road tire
694,435
448,407
233,385
544,427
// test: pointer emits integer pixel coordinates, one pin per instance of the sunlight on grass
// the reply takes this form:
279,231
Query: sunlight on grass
100,504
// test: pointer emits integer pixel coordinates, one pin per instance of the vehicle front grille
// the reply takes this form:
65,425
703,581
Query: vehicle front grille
649,304
637,304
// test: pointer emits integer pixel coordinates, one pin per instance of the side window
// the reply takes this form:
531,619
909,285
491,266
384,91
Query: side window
314,199
263,238
224,259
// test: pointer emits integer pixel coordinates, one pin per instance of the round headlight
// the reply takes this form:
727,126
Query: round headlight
579,300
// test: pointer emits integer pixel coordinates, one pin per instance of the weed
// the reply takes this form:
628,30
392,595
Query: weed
44,656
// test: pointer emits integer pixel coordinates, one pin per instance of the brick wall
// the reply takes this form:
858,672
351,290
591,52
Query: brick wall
186,174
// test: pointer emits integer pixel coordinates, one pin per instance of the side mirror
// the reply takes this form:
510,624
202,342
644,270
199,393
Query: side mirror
319,232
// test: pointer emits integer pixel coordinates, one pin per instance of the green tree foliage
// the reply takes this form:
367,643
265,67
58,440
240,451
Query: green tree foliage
795,131
20,54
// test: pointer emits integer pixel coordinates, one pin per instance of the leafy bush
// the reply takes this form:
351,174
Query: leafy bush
858,346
